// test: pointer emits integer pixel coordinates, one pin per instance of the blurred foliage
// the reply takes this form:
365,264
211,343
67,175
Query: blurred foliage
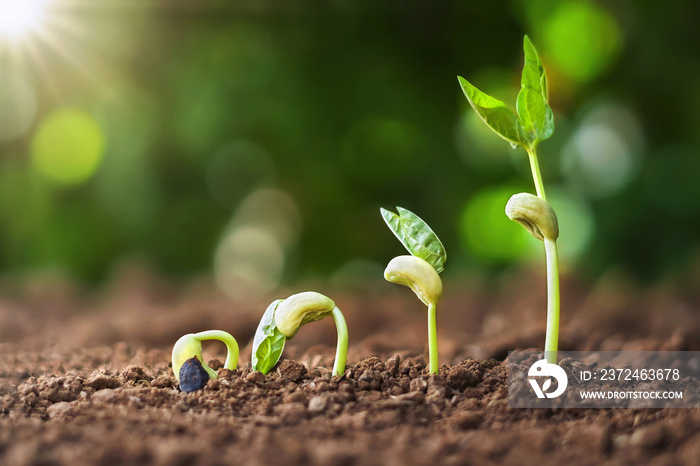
257,140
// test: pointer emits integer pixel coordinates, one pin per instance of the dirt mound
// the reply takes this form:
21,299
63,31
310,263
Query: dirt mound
379,412
87,381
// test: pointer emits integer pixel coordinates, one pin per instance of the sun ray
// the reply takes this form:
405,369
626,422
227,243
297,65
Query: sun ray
54,42
93,38
18,18
41,37
39,68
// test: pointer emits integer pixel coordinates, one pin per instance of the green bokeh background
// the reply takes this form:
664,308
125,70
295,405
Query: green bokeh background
257,140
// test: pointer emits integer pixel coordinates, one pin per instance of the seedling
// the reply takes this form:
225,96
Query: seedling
283,319
419,271
190,370
533,123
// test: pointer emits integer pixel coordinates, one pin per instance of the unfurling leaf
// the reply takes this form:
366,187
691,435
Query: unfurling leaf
268,342
416,236
495,114
535,114
533,71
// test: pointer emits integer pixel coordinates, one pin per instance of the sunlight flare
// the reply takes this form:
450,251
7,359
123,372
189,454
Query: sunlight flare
17,17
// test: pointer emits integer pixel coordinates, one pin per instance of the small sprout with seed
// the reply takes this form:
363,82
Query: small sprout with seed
419,271
188,365
283,319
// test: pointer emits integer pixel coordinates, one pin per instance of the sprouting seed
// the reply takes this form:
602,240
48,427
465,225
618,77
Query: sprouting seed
283,319
188,366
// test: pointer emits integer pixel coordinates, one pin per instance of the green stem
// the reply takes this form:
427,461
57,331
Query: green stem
231,345
536,175
432,338
551,342
341,352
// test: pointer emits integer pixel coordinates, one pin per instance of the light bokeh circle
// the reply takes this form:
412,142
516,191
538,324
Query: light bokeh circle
68,146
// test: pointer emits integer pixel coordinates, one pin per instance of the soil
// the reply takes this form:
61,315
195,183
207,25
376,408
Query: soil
85,379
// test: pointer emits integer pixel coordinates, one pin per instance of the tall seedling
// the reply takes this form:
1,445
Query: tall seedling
533,123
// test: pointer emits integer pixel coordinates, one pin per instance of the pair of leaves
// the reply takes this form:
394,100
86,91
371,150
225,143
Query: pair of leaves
416,236
534,121
268,342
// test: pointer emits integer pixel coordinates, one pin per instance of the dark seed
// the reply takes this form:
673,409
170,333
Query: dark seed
193,377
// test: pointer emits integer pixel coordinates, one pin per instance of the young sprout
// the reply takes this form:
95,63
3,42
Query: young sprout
533,123
420,270
188,365
283,319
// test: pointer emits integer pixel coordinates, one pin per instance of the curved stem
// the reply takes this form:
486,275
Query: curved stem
551,342
341,352
432,338
231,346
536,175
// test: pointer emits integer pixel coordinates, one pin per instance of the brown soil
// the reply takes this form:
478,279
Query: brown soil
87,381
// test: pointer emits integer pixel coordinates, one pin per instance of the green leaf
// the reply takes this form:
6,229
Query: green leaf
533,71
535,114
495,114
268,342
416,236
